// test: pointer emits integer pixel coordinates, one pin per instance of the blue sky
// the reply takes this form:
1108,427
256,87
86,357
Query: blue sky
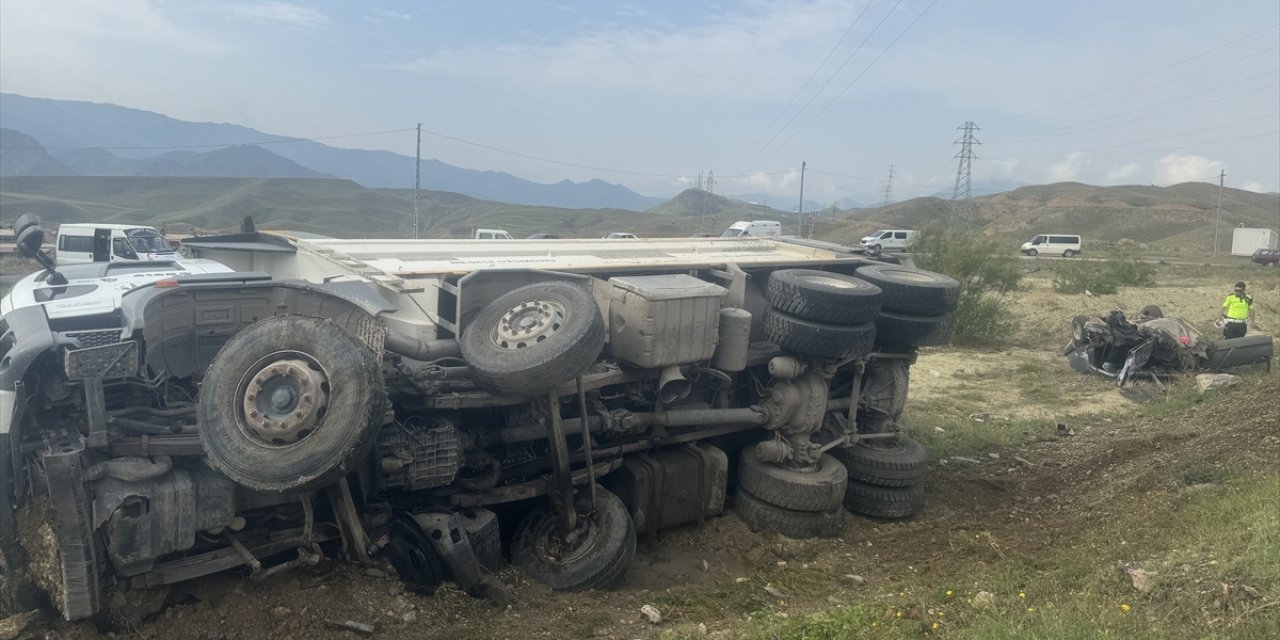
649,94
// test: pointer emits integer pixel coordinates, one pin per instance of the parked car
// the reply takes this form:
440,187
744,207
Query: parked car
753,228
621,235
1152,345
542,236
1266,257
491,234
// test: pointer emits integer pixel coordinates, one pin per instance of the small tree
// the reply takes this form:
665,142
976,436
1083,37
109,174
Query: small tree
986,272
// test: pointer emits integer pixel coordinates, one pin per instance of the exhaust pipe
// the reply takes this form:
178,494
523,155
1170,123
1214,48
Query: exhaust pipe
672,385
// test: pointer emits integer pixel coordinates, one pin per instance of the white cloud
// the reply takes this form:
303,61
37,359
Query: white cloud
728,55
276,12
1174,168
1069,169
1255,187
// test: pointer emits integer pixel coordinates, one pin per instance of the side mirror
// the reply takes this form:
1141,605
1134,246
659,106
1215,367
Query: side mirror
30,243
30,240
25,220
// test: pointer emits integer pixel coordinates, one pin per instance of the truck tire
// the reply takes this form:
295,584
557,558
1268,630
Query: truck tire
533,339
1078,336
260,382
822,296
596,559
414,557
902,331
883,502
819,490
814,339
901,464
912,291
763,517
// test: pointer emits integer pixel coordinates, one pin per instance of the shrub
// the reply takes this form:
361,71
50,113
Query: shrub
986,273
1107,276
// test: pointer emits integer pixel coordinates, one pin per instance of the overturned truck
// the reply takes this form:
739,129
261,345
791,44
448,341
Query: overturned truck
449,405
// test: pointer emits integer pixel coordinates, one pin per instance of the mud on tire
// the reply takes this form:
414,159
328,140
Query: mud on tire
821,489
597,559
801,525
822,296
815,339
883,502
902,464
533,339
342,377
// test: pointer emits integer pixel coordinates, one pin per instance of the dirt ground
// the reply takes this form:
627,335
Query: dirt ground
1025,500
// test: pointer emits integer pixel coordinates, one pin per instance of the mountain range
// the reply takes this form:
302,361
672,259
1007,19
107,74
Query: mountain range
84,138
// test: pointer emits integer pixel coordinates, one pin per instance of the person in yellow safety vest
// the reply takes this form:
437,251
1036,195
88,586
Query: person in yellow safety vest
1237,311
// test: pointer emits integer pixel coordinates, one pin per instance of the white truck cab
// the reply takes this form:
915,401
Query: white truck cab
754,229
88,243
887,239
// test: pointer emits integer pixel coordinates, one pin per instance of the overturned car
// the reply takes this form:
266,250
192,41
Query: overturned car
1151,345
448,405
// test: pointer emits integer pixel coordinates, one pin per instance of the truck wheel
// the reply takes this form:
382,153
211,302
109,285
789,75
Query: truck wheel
414,557
914,291
883,502
821,489
533,339
902,331
814,339
595,557
821,296
901,464
763,517
289,404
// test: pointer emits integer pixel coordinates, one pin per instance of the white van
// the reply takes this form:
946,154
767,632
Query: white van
1052,244
491,234
887,240
753,228
621,235
84,243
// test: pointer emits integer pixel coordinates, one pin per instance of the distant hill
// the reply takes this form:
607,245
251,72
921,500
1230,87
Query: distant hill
22,155
92,129
1178,218
245,161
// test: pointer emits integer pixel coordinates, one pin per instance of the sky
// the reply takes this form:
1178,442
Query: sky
652,94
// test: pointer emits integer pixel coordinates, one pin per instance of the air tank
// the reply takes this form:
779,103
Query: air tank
735,339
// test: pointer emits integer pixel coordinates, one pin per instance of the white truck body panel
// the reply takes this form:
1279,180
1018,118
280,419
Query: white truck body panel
1244,240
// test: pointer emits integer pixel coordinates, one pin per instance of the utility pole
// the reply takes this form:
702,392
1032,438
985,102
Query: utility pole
1221,177
963,208
800,209
417,183
888,189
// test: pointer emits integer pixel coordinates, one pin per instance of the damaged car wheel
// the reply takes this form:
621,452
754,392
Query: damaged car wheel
593,556
289,404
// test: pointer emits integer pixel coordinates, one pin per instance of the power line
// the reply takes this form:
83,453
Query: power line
1139,77
854,81
807,81
1136,142
1049,133
824,85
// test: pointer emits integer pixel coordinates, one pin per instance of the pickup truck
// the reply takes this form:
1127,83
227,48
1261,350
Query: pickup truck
445,405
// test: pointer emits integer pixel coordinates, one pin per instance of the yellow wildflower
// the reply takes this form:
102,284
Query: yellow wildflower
1124,608
948,593
1022,594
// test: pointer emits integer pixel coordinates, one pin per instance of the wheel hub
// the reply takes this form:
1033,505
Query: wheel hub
284,401
529,323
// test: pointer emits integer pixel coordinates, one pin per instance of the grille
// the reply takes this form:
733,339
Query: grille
88,339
